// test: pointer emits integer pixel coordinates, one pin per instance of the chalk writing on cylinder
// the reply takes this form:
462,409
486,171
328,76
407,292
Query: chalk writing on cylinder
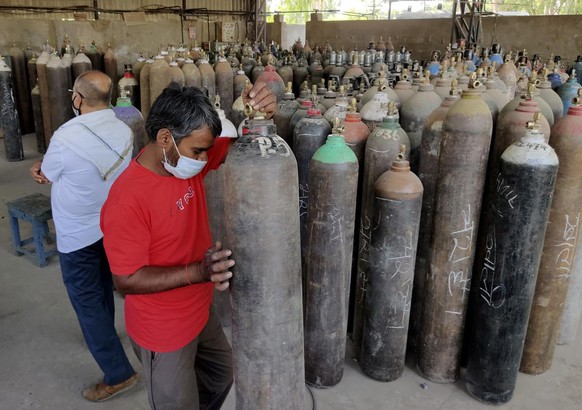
567,246
505,191
462,240
493,295
303,199
402,266
363,255
272,145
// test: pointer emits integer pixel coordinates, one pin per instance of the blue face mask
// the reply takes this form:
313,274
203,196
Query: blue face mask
186,167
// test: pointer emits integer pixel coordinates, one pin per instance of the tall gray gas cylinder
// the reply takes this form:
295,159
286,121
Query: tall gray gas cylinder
9,123
397,206
333,180
466,138
506,265
262,230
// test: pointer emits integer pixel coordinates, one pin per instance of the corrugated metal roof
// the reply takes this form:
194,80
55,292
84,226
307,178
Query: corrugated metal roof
119,5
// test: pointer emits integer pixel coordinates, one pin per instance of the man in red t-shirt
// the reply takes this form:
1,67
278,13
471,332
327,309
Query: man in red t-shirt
157,238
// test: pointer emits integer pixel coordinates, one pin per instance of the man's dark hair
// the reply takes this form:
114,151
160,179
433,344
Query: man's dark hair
182,110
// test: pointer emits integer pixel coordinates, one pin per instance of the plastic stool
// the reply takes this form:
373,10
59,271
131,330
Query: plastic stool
36,209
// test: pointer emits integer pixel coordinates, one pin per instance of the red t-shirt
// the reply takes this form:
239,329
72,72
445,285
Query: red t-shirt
152,220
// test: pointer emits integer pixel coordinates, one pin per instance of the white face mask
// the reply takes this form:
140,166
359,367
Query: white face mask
186,167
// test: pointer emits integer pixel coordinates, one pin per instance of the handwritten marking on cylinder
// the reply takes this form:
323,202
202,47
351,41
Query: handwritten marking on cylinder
459,281
566,254
493,295
303,199
272,145
505,191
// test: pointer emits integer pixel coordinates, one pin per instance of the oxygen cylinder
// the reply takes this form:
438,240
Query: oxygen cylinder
300,74
68,63
44,95
428,167
214,187
382,149
333,179
224,83
110,66
466,137
550,96
237,114
286,73
80,64
397,204
560,244
95,54
508,75
159,77
495,94
543,106
192,77
32,74
413,114
239,84
176,74
131,116
130,85
374,111
568,90
257,71
9,124
340,107
299,114
144,88
506,268
573,305
379,82
39,129
208,78
282,117
404,89
442,87
329,98
273,81
21,93
309,134
58,94
139,64
248,64
267,340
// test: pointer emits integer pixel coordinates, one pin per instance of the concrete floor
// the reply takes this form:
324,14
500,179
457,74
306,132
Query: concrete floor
44,363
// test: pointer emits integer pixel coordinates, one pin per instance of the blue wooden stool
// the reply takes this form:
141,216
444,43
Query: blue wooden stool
36,209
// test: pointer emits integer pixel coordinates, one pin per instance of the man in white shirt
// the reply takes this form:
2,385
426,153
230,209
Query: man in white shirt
85,156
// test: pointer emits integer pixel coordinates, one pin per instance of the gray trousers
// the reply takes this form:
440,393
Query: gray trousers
197,376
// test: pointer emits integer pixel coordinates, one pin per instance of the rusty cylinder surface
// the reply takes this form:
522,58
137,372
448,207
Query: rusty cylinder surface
430,150
21,90
80,64
262,230
333,177
224,84
110,67
413,115
37,112
207,79
9,124
466,138
159,78
44,95
560,244
382,148
58,89
144,89
397,206
506,266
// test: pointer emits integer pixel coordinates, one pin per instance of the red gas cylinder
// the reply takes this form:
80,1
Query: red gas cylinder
273,81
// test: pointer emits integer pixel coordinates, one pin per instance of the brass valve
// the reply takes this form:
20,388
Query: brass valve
454,90
289,87
535,124
217,101
252,113
337,128
353,105
392,110
402,155
473,82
